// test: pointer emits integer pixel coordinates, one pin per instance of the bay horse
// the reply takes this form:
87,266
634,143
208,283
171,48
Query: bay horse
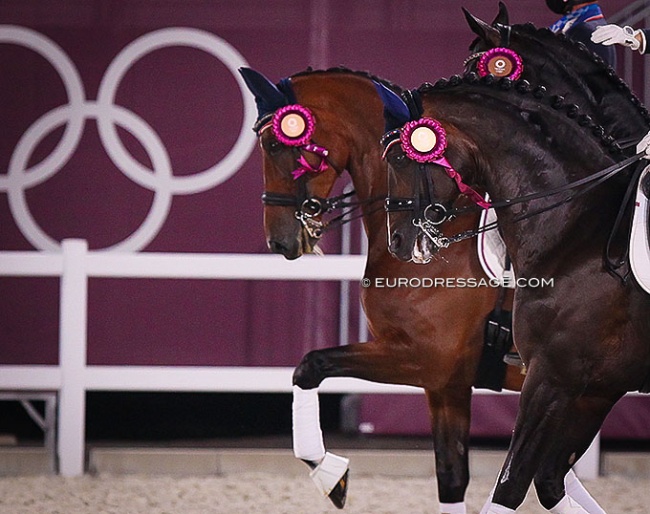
584,340
425,337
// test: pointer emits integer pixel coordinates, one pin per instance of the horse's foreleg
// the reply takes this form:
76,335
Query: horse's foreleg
450,419
329,471
307,436
578,430
369,361
542,409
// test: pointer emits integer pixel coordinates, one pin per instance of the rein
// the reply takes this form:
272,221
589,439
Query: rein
430,225
591,181
598,177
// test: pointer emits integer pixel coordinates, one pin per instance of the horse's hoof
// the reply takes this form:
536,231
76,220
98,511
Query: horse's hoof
331,478
340,492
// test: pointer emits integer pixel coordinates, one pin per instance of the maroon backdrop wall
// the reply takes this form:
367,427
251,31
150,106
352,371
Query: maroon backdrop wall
193,104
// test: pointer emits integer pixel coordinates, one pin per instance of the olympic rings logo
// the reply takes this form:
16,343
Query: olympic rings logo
108,116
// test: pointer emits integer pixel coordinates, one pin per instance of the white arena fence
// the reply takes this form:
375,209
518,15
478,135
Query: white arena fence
72,377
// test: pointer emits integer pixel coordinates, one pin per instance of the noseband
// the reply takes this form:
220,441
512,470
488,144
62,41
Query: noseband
308,208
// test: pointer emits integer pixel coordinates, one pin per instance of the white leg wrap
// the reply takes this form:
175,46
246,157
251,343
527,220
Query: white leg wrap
577,491
495,508
328,473
567,505
307,435
453,508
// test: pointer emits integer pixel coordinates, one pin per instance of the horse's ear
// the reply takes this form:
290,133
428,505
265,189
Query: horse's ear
484,31
267,96
396,112
503,18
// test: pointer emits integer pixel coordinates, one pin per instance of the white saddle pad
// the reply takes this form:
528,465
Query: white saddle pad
639,245
492,251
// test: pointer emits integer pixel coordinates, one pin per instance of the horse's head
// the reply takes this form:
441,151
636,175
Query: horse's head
539,162
422,183
537,55
298,166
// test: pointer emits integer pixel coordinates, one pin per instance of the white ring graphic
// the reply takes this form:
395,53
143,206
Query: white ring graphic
76,97
73,115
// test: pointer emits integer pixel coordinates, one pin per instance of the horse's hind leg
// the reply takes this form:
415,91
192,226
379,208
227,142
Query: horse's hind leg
555,491
450,419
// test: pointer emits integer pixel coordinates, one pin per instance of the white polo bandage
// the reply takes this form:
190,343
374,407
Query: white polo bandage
307,434
568,505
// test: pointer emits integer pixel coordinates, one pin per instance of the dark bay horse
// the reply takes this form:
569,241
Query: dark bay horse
584,337
425,337
581,84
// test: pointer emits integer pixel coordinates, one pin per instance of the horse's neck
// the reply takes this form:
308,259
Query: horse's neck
569,71
355,120
515,161
369,178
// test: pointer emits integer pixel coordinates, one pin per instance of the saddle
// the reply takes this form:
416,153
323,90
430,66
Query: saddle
640,242
492,252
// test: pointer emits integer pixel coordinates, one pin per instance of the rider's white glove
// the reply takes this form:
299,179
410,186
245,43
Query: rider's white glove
613,34
644,146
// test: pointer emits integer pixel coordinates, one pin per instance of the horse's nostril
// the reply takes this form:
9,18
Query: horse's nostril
395,242
277,247
289,250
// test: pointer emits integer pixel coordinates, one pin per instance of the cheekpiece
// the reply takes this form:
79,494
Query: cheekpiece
423,140
293,125
501,62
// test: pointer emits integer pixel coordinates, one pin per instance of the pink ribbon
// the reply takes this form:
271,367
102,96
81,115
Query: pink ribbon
462,187
306,166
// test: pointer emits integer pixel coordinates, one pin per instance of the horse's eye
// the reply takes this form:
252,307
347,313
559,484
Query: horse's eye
398,160
273,147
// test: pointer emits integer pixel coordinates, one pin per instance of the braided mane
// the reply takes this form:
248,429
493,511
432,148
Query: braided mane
539,93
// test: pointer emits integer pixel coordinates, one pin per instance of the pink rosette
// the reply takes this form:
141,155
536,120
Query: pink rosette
293,125
423,140
501,62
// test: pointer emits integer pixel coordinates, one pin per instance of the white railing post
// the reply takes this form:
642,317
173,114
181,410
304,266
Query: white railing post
72,358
